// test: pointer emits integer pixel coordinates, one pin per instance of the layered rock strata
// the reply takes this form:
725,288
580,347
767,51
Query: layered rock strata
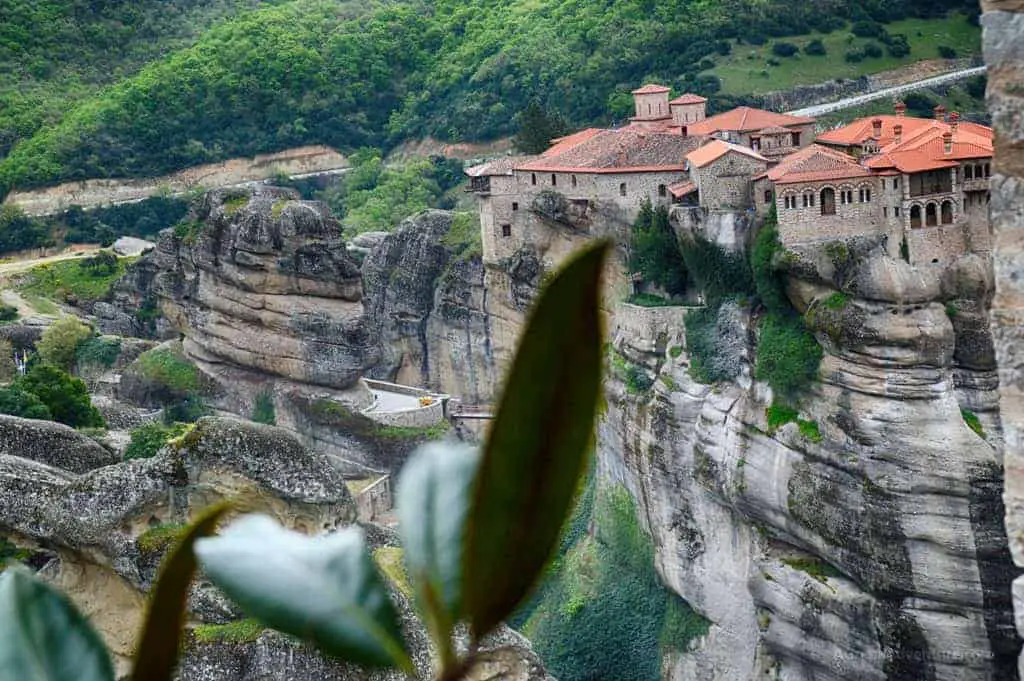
868,546
1003,24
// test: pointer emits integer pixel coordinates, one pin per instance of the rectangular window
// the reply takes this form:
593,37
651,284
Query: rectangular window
896,183
805,201
883,183
796,139
554,180
515,205
767,195
573,180
622,189
506,230
885,211
896,211
533,178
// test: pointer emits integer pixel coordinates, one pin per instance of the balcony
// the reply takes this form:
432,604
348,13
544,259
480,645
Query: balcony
479,185
980,184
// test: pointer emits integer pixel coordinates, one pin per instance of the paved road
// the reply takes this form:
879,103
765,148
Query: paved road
849,102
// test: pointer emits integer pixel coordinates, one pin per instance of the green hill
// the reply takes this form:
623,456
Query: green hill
129,92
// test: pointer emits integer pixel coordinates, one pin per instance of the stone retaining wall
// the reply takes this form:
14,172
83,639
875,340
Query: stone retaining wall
375,500
650,328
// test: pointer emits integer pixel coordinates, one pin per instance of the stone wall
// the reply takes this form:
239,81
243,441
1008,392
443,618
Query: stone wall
375,500
932,245
725,182
802,224
93,193
1003,23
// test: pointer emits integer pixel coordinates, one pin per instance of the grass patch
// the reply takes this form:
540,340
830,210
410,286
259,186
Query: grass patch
239,631
160,538
779,415
675,351
973,422
277,209
338,415
150,438
743,72
649,300
169,368
633,375
40,304
814,567
836,301
67,281
390,561
234,204
669,382
189,231
951,309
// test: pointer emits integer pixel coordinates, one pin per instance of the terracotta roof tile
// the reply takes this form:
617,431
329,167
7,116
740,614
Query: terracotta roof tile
688,98
716,149
497,166
681,189
816,163
629,149
650,89
745,119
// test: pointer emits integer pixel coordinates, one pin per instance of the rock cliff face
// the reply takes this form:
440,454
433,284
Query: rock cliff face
1003,23
432,311
870,547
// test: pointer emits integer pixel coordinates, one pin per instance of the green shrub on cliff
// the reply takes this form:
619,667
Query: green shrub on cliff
605,593
66,397
148,439
654,250
61,340
787,355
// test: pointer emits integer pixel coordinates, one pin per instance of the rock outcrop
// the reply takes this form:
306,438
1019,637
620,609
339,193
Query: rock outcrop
100,536
1003,22
865,544
53,444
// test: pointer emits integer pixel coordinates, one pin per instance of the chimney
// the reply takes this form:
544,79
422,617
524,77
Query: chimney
897,133
876,128
940,113
954,120
947,143
901,109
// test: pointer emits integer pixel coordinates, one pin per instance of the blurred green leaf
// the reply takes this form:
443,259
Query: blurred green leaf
157,654
537,446
43,637
323,589
432,499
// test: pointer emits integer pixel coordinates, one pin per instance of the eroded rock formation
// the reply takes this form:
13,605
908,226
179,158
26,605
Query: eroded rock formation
867,547
100,536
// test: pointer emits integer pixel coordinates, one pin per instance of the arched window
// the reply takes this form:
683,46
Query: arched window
947,212
828,201
931,217
622,189
915,216
661,190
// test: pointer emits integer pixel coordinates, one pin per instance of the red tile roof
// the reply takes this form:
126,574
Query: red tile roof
498,166
628,149
681,189
745,119
815,163
650,89
925,148
716,149
688,98
862,130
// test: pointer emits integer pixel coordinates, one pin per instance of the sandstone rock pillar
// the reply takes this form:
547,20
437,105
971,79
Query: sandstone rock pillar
1003,23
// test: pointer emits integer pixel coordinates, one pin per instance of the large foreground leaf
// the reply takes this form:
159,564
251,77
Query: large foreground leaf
43,637
538,444
157,654
432,500
323,589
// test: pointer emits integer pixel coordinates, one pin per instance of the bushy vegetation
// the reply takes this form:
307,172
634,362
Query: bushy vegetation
814,567
8,313
100,351
148,439
654,250
263,410
7,366
463,237
169,368
354,74
46,392
19,232
648,300
60,341
239,631
779,415
603,614
73,281
787,355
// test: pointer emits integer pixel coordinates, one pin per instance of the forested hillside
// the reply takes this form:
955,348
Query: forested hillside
107,89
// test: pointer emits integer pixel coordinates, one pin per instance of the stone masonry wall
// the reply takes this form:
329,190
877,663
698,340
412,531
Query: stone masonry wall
931,245
808,224
1003,24
725,182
